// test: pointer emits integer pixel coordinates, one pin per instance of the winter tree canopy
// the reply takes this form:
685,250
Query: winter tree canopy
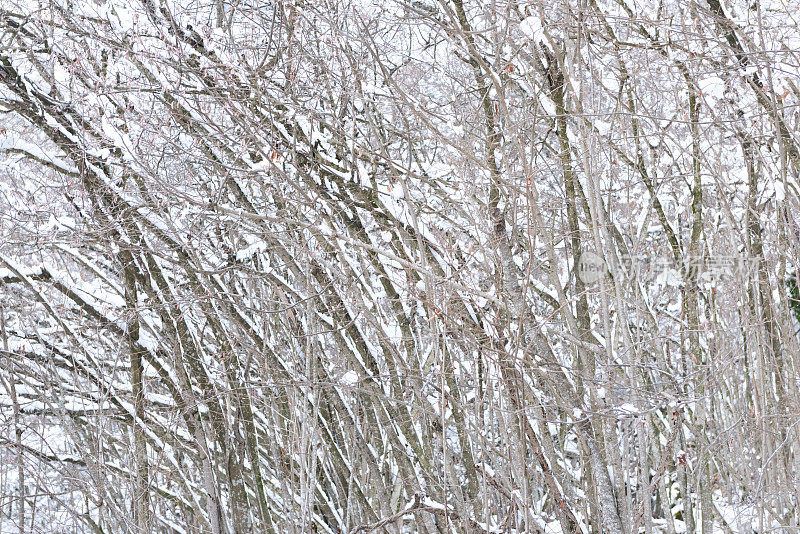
473,266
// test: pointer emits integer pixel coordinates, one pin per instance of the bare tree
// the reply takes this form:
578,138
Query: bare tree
408,266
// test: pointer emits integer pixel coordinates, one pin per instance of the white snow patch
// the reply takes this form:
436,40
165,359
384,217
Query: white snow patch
780,191
350,378
532,28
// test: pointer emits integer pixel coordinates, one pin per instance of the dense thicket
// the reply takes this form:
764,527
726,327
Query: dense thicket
287,266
